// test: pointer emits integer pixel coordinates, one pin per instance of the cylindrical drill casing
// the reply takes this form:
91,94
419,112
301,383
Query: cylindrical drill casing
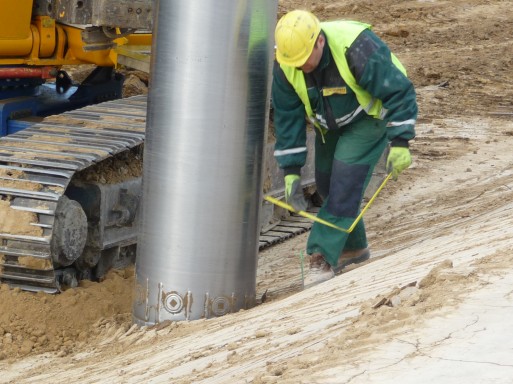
208,109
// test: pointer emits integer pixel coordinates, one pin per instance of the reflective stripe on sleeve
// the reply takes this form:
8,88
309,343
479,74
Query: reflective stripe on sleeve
283,152
399,123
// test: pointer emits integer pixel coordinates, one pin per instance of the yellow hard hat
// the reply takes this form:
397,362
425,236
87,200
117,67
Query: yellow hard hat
295,35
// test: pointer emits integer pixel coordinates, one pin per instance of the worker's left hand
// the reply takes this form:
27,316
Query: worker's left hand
294,193
398,160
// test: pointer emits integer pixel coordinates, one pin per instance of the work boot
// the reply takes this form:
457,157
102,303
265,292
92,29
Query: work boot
319,271
356,256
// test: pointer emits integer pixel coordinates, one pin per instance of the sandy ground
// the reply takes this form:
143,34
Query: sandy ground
441,231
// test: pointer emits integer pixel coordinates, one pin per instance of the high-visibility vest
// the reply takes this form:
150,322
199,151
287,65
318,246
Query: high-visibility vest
340,35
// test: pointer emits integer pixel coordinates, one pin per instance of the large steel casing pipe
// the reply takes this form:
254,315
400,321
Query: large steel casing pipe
203,159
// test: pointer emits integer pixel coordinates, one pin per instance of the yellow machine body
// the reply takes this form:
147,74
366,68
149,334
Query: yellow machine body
41,41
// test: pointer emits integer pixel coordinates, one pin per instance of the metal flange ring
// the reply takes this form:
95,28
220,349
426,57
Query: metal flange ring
173,303
220,306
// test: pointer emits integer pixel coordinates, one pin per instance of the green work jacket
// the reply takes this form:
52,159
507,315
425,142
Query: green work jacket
373,82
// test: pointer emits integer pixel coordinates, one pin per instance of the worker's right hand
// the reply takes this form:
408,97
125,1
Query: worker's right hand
398,160
294,193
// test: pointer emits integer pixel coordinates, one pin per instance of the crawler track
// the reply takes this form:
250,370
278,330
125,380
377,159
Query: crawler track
285,229
37,165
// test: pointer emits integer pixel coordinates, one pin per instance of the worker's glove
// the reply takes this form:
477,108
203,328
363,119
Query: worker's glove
398,160
294,193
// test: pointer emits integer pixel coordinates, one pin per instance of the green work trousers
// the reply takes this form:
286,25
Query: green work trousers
344,163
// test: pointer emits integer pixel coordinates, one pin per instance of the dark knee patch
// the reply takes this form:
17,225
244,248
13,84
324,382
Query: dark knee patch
322,182
346,188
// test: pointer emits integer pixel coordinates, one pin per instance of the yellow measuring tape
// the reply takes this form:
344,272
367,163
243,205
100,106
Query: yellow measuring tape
321,221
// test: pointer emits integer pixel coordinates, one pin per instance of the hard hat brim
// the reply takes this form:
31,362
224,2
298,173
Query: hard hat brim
292,63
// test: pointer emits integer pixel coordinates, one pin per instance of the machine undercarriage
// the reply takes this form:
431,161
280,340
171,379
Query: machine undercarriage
69,190
69,183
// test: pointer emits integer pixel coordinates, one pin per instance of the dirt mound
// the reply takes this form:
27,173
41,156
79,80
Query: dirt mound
136,83
33,323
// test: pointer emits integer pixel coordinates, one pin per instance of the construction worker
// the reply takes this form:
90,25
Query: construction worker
357,95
